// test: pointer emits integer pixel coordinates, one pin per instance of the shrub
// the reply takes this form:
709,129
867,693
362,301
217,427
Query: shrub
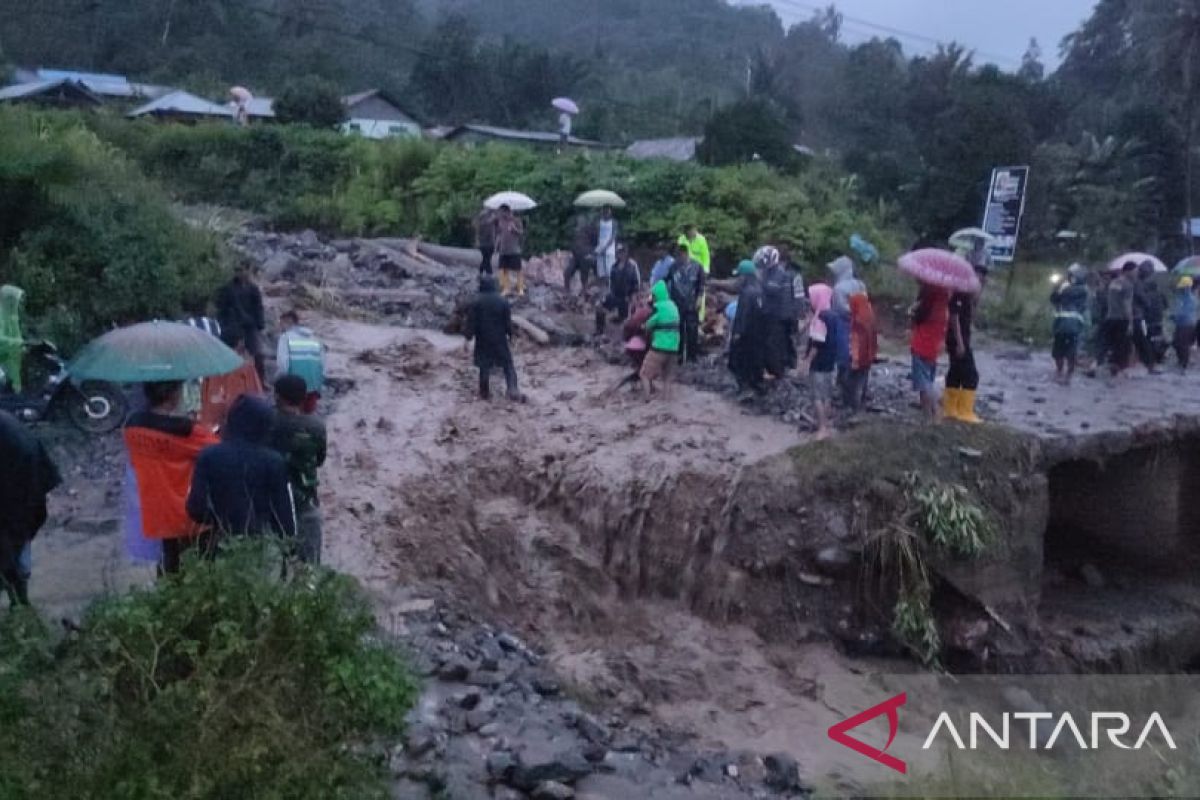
300,177
221,682
310,101
88,238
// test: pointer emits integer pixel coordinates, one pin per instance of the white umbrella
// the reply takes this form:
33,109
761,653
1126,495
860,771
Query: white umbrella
565,104
598,198
514,200
967,236
1118,263
241,95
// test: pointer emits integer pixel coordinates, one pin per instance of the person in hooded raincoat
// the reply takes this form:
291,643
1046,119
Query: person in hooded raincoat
12,343
698,249
748,340
783,314
489,324
27,475
663,328
240,487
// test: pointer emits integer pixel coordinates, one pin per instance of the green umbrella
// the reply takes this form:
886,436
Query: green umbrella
153,351
1190,267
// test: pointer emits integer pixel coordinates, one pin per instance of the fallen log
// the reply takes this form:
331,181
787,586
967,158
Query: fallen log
531,330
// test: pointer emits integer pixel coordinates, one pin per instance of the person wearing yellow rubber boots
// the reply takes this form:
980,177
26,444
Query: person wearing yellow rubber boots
12,343
962,380
510,236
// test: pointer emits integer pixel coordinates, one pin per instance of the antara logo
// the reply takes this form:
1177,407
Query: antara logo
1107,728
838,733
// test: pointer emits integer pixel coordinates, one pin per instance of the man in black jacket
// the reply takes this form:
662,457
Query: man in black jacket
27,475
685,282
489,324
240,314
240,486
624,282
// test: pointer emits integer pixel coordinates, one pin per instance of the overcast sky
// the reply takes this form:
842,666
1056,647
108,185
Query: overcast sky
998,30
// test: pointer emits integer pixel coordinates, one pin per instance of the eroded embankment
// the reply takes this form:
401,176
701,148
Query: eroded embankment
1087,563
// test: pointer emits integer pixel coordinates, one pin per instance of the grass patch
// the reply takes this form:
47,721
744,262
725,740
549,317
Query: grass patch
222,682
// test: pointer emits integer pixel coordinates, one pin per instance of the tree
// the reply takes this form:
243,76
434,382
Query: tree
311,101
1032,68
750,130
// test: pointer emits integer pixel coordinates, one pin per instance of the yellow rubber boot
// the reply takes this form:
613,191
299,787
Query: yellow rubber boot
950,403
504,283
966,407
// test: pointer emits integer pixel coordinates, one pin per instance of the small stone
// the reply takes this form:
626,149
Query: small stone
808,579
501,765
419,740
553,790
510,643
591,729
834,561
732,770
468,699
1092,576
783,773
547,687
567,768
454,671
970,453
490,729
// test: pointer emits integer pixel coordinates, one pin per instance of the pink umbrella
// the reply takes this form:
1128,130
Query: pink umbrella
1117,264
941,268
565,104
241,95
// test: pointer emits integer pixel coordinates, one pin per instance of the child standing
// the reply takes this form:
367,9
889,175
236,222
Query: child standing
824,337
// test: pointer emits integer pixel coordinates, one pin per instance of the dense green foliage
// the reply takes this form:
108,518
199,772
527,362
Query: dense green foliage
1108,134
304,178
219,683
88,238
310,101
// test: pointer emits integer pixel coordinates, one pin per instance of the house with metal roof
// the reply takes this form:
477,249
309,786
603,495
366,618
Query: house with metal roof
376,114
58,94
109,88
481,134
679,148
182,106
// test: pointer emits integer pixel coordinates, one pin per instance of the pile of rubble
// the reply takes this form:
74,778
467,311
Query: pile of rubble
493,722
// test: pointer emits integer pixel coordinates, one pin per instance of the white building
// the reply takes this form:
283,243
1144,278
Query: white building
375,115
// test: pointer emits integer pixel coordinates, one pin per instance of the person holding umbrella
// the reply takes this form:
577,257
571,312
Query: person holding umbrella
162,443
510,237
940,274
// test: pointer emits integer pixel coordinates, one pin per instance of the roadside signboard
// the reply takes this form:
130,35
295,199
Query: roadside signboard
1005,205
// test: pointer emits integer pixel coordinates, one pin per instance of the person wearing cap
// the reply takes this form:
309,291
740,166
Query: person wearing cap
962,379
299,436
1070,300
748,340
1184,311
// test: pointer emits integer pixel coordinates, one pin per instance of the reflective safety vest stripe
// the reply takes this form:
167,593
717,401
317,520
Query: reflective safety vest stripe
306,360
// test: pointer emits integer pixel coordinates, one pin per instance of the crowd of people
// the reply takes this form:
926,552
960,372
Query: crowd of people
205,460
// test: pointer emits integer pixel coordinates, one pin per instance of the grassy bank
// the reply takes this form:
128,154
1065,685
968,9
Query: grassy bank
220,683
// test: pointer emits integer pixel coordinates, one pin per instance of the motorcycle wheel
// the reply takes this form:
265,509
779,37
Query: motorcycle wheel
96,407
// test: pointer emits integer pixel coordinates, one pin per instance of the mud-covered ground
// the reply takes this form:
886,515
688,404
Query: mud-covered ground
519,549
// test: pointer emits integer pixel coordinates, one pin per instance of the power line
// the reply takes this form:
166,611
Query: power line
800,6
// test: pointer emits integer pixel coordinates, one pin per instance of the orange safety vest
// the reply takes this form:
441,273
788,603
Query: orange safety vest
163,465
218,393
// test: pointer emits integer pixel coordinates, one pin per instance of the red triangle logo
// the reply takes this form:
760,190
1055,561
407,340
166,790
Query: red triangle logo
839,733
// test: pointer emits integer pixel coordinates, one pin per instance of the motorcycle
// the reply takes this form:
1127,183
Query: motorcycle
93,407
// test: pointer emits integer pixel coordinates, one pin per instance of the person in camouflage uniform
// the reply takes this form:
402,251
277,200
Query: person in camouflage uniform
300,438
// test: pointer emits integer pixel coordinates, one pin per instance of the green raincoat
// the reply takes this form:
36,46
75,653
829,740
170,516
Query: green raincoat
12,345
663,325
